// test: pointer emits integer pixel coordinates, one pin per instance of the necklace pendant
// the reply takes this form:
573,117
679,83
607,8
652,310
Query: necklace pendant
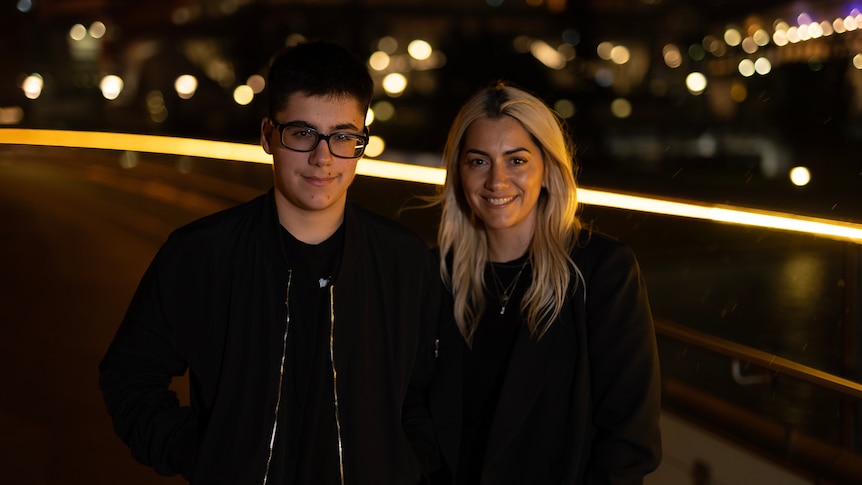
502,309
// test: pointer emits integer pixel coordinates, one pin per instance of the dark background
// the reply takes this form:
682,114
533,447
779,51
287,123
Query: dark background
807,111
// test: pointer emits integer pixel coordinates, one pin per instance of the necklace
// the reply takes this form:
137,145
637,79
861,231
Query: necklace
505,293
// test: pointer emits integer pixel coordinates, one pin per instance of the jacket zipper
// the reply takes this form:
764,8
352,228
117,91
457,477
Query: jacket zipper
335,380
280,377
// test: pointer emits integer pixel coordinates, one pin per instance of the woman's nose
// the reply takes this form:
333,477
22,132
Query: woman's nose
497,176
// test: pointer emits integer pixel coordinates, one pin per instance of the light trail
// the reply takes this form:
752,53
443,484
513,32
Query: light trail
414,173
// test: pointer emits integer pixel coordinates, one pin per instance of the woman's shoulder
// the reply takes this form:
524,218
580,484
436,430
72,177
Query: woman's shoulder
591,242
595,248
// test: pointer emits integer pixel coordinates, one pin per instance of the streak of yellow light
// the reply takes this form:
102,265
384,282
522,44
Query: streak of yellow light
430,175
241,152
728,214
137,143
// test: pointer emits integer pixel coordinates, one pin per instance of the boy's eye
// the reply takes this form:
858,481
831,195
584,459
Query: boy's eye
302,133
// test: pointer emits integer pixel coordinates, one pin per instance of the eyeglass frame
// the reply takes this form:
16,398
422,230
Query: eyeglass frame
320,136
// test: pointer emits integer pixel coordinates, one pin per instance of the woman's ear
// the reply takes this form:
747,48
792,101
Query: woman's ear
266,135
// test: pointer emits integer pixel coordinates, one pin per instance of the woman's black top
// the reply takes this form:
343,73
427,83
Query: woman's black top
485,364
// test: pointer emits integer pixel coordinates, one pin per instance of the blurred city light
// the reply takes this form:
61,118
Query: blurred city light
604,77
732,37
111,86
375,147
748,45
672,56
185,86
97,30
11,115
621,108
760,37
620,54
604,50
800,176
32,86
547,55
156,106
565,108
419,49
388,44
243,94
696,83
746,67
77,32
256,82
394,84
379,60
383,110
762,66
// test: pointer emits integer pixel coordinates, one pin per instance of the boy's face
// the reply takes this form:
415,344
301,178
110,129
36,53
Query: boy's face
315,182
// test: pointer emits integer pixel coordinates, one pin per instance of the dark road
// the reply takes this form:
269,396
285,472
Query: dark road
71,252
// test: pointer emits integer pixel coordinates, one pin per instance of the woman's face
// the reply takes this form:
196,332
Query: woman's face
502,170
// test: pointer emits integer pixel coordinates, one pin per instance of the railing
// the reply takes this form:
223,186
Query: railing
766,360
765,435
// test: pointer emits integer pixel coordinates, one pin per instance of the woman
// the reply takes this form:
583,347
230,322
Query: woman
549,371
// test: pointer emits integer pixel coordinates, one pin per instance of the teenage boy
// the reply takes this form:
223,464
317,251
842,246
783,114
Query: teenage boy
304,321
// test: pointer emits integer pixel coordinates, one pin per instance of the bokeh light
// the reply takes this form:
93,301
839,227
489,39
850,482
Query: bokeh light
800,176
186,86
394,84
565,108
376,146
383,110
111,86
256,82
672,56
620,54
77,32
419,49
378,60
621,108
243,94
696,83
32,86
732,37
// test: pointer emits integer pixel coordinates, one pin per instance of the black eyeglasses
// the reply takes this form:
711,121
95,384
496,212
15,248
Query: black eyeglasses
300,138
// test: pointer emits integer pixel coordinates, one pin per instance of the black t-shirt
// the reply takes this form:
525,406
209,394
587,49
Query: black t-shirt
486,363
308,405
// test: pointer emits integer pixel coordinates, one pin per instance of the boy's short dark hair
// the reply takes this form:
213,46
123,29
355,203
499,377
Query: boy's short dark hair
318,68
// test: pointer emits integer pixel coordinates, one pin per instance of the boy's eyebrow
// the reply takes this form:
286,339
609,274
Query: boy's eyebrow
338,127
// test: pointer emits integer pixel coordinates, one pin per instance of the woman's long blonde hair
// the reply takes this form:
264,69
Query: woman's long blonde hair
462,239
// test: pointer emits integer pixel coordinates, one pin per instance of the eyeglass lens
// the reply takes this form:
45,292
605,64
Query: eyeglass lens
303,139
